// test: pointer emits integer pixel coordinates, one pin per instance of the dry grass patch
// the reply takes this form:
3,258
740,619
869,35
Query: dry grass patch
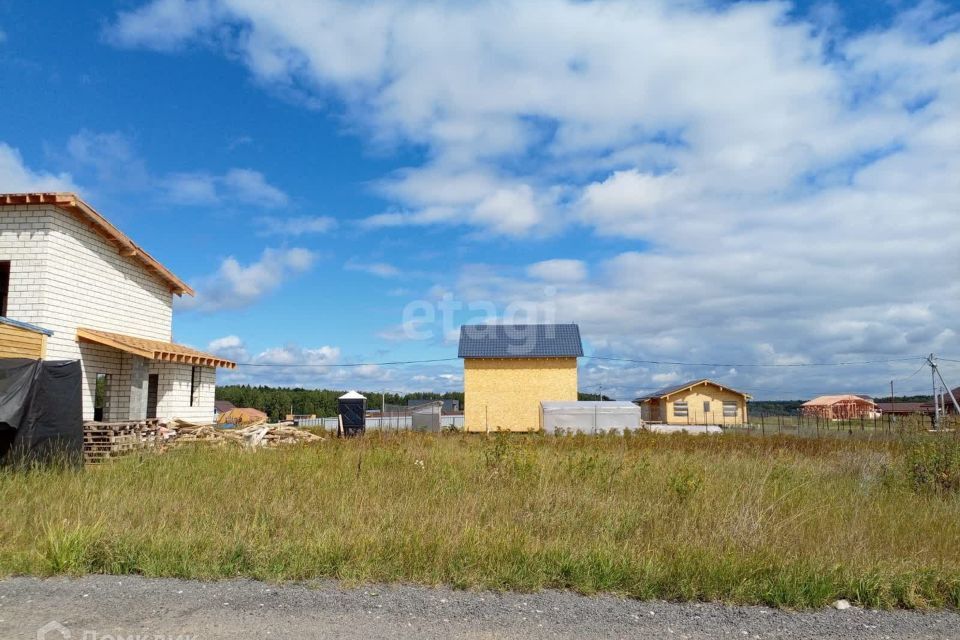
780,521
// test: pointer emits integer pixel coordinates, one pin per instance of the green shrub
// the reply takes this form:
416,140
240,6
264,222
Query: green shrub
933,465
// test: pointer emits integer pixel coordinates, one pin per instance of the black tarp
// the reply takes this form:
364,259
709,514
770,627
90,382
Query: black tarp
41,411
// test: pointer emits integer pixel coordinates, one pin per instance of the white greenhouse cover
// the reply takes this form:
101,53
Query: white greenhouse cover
590,416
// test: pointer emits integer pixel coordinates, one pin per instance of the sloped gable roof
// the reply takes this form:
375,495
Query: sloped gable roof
72,204
520,341
826,401
667,391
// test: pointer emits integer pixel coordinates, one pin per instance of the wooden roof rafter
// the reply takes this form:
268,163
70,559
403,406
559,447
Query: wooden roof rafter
86,214
157,350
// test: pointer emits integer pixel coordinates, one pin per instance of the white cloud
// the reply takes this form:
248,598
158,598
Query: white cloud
109,161
295,226
226,342
109,157
191,188
558,270
15,176
247,185
230,347
235,285
786,184
244,186
309,367
379,269
163,25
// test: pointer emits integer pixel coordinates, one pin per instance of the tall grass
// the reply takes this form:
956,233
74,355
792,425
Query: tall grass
781,521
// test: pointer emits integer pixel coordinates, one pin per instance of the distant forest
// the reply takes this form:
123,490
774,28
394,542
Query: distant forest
277,402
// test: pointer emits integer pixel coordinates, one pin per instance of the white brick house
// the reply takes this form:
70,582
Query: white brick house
65,269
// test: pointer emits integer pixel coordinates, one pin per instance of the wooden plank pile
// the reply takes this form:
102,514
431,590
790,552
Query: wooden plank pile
256,435
105,440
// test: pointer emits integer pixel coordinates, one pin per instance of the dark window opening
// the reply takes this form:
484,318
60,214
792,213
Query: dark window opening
706,406
153,385
101,397
195,386
4,286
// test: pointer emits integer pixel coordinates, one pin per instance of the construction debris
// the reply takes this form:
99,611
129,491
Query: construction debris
255,435
103,441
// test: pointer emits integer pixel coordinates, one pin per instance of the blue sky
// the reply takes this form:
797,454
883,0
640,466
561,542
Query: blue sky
745,183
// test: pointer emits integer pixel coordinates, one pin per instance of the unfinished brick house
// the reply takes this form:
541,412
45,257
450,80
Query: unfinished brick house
73,286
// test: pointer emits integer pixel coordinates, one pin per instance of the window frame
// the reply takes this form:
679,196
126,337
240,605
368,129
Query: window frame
681,409
5,266
731,405
195,380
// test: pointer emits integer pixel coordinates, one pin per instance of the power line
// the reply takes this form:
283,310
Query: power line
922,367
344,364
606,358
743,365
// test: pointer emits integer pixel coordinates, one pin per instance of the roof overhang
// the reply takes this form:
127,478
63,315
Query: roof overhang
690,386
153,349
70,203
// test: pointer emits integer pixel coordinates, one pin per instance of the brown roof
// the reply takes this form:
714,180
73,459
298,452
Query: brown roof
683,386
153,349
70,203
826,401
905,407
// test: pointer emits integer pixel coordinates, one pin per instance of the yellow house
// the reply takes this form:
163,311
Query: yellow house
698,402
22,340
509,369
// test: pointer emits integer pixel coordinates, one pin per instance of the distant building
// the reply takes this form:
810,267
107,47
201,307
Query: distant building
508,370
449,405
904,408
839,407
697,402
222,406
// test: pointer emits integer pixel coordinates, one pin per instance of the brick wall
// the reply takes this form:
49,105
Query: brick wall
64,275
174,392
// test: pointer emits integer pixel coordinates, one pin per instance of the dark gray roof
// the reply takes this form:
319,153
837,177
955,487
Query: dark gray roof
683,385
25,325
520,341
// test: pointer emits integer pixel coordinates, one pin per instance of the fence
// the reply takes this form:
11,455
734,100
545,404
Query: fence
877,426
386,423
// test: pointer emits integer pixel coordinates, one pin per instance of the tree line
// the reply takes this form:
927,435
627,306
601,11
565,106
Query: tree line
277,402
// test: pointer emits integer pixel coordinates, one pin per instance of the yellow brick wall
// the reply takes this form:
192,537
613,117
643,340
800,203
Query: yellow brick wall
505,393
21,343
695,398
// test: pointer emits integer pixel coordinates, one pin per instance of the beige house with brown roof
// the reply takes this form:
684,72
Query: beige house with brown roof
697,402
73,286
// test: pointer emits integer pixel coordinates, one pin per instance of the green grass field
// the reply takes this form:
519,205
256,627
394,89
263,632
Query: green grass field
781,521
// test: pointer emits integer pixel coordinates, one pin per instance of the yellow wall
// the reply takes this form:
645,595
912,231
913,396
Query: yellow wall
21,343
695,398
505,393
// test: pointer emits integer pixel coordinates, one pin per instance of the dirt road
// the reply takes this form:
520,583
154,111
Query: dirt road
110,607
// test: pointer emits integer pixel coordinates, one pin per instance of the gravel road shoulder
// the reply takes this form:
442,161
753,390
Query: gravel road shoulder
110,607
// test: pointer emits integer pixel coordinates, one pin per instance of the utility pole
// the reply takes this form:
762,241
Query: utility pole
936,405
932,360
893,405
